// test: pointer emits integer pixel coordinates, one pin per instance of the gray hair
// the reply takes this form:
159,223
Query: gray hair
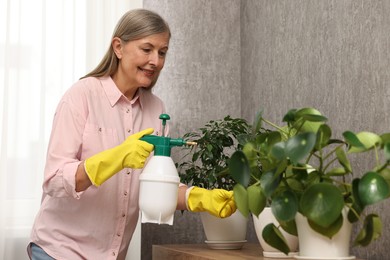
133,25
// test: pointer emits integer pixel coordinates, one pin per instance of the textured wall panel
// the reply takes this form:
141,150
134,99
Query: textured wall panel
333,55
201,78
235,57
200,82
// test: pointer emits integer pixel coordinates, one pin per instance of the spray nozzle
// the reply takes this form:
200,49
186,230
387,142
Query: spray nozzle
164,118
163,144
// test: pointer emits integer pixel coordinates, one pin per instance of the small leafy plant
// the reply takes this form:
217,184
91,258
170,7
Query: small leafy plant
303,169
206,164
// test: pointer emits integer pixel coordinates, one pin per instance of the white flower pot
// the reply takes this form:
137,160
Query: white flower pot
313,245
225,233
266,217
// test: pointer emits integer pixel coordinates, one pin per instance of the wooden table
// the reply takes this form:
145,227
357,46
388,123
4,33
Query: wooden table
203,252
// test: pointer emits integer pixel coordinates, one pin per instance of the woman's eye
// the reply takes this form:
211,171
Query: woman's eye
162,53
146,50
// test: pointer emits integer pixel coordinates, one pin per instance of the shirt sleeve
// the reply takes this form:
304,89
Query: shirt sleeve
63,155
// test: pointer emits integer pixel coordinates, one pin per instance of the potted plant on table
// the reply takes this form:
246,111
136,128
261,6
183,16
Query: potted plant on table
309,180
249,174
206,166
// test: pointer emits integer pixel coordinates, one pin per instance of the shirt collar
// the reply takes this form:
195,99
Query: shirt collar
114,94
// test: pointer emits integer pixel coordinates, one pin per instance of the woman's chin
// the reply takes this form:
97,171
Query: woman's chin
147,83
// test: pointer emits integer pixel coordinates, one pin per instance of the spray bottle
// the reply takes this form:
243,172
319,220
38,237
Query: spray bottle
159,181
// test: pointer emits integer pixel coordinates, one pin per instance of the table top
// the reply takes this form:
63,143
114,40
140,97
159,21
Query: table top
248,251
203,252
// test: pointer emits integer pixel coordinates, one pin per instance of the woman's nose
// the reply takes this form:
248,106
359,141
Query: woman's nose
154,59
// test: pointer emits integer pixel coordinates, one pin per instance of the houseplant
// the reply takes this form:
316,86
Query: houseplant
206,166
305,172
260,208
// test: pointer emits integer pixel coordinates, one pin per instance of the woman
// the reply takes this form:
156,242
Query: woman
89,207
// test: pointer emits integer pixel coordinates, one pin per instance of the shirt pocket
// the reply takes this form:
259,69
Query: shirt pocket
98,138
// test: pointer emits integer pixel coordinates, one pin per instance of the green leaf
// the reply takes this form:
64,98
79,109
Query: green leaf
353,140
239,168
241,199
338,171
278,151
300,173
386,150
329,231
285,206
256,199
299,147
343,159
311,114
272,235
257,122
368,139
269,183
250,153
385,173
385,137
354,213
281,168
290,227
295,184
372,188
322,203
312,119
371,230
290,116
323,136
357,206
273,137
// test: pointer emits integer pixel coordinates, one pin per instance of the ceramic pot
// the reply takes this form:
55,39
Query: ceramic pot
266,217
313,245
225,233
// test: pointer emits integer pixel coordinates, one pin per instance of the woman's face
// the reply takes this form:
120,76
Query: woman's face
141,60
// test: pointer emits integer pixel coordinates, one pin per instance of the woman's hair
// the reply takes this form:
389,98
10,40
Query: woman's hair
133,25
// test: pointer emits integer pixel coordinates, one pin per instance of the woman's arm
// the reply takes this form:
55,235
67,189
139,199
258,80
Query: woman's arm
82,179
181,200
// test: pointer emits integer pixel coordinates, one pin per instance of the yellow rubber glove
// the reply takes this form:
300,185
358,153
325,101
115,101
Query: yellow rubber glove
218,202
132,153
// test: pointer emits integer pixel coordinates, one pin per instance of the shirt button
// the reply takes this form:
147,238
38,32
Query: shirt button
129,130
123,215
125,193
128,172
128,110
118,235
113,253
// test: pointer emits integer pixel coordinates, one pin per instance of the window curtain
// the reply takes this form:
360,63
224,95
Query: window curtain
45,46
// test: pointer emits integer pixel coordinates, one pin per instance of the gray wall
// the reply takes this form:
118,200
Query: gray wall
235,57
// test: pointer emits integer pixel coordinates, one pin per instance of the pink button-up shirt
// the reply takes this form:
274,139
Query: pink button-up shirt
99,222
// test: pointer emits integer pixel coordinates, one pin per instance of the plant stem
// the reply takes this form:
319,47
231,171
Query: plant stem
384,166
355,212
273,125
329,163
332,151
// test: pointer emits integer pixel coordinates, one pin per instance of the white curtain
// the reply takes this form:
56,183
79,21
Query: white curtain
45,46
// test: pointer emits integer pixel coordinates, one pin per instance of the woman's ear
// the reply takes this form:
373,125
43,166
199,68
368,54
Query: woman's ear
117,47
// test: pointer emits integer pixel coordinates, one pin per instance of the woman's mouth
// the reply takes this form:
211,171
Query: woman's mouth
148,73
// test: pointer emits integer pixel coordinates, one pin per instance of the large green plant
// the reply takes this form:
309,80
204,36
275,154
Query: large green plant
206,164
305,170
